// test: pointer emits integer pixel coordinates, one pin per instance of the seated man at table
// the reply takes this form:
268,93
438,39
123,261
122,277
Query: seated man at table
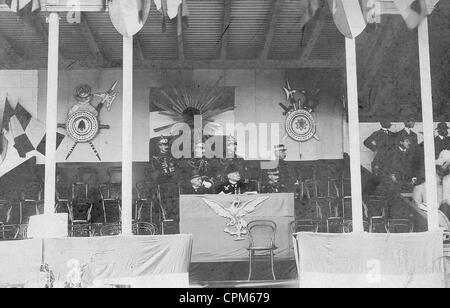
273,184
234,184
197,185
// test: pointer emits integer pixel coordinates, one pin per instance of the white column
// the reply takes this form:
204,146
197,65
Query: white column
127,137
52,114
353,122
428,125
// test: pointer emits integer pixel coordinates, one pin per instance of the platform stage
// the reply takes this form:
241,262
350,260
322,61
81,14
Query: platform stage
131,261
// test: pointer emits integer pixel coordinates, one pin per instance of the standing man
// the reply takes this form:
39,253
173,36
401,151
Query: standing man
286,174
163,166
381,142
442,141
409,133
231,158
401,162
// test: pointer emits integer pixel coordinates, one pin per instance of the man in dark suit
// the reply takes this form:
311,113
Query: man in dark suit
401,162
197,185
381,142
234,184
442,141
409,133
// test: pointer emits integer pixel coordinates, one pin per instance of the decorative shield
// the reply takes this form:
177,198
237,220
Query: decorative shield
82,126
129,16
300,125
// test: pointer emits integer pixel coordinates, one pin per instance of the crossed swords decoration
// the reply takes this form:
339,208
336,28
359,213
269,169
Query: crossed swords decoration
83,124
300,123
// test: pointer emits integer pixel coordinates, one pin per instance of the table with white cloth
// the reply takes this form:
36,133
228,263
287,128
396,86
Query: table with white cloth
213,244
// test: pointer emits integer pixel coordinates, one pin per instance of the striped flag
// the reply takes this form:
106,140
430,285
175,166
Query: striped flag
348,17
19,5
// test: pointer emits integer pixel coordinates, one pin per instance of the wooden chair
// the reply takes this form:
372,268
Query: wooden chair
111,194
261,234
31,201
144,228
144,205
304,225
168,200
400,226
81,207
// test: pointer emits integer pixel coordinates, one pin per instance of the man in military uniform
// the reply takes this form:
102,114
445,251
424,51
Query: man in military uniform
286,174
164,167
442,141
381,142
273,184
198,185
231,157
234,183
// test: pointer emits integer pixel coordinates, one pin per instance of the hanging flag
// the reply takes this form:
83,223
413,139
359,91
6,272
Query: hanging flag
170,9
28,132
348,17
412,17
129,16
8,112
19,5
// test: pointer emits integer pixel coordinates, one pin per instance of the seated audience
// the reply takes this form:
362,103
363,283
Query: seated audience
234,183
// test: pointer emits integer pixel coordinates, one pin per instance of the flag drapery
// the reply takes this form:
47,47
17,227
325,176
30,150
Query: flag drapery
27,132
19,5
348,17
170,9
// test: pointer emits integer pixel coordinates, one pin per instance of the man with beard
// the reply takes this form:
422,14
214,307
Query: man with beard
234,183
442,141
273,184
163,166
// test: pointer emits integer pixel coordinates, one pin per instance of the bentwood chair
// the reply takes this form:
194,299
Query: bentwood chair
400,226
139,228
144,206
31,201
81,208
261,235
168,200
111,194
304,225
63,196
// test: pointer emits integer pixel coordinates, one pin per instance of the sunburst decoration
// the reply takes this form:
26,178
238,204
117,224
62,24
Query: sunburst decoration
182,103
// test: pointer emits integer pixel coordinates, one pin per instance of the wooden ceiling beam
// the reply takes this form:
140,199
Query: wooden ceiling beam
92,41
138,49
197,64
317,24
180,39
272,27
226,28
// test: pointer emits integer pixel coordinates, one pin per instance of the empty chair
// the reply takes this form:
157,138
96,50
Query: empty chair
261,234
63,197
144,228
81,208
31,202
168,201
111,229
143,210
348,226
304,225
110,194
400,226
335,225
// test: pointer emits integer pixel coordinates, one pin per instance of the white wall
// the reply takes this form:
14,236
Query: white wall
257,96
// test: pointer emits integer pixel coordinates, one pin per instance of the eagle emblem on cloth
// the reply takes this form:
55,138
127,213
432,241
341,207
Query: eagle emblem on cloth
236,226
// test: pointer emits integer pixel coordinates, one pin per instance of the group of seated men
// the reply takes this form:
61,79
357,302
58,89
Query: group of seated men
228,175
399,157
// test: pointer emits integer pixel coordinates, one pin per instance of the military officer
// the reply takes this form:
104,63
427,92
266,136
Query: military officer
442,141
231,157
286,174
234,183
163,165
273,184
198,185
381,142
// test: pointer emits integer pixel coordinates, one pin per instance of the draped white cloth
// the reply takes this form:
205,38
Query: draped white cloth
410,260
